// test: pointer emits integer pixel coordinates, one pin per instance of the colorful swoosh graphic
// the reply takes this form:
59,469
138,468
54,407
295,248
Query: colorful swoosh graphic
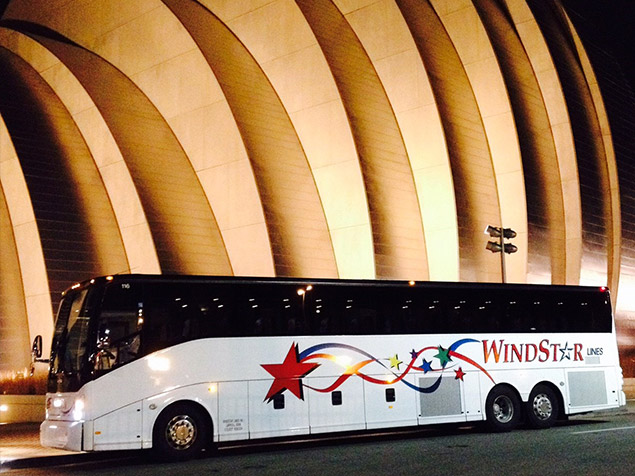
297,365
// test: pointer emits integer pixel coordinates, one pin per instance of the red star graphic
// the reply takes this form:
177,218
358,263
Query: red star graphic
288,375
459,374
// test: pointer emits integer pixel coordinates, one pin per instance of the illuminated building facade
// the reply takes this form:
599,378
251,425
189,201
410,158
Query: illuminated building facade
313,138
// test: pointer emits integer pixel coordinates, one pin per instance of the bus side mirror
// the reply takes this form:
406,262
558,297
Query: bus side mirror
36,353
36,349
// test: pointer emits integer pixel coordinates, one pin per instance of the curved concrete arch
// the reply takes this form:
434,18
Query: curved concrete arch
560,129
545,207
474,180
595,190
131,221
76,224
33,285
177,79
482,67
615,230
392,200
295,220
164,178
386,39
297,70
14,325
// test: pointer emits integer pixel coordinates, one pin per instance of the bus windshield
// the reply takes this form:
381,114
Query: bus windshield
70,343
96,330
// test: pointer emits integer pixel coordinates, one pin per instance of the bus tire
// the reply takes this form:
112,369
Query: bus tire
543,407
181,432
502,409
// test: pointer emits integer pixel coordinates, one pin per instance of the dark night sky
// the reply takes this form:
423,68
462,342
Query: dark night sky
614,22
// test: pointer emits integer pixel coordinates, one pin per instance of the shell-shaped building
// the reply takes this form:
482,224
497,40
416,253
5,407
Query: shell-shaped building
372,139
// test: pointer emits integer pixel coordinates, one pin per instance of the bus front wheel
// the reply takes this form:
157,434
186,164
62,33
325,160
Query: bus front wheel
181,431
502,409
542,407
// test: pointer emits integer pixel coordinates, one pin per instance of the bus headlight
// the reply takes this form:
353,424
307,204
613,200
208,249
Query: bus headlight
78,410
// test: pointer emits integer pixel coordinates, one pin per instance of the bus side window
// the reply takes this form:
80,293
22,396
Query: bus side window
515,316
560,315
395,307
593,313
579,312
412,316
538,315
119,326
432,316
487,314
600,313
156,329
217,313
461,312
583,315
169,310
360,312
269,311
328,311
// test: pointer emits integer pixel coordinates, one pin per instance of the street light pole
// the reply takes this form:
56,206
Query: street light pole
503,270
501,247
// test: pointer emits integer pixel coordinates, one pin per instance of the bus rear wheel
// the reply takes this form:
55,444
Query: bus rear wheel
181,431
502,409
542,407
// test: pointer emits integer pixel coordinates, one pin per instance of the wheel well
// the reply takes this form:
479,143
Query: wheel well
509,387
558,394
189,403
505,385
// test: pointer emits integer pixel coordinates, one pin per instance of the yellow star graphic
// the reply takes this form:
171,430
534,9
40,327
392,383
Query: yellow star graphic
395,362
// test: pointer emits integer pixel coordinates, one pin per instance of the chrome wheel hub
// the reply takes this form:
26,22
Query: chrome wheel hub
542,406
180,432
503,409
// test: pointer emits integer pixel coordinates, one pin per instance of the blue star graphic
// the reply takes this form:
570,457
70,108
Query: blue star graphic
426,366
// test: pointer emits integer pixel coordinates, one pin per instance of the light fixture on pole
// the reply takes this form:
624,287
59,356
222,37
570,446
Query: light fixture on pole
501,247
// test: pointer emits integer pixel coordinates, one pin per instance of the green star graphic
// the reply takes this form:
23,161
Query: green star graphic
443,356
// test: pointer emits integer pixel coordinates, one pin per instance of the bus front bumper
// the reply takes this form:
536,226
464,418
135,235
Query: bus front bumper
65,435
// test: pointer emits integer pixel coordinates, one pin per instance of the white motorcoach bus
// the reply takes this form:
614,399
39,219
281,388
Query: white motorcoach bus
178,363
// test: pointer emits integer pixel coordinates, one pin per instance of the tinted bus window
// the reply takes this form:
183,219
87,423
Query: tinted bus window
118,330
177,312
